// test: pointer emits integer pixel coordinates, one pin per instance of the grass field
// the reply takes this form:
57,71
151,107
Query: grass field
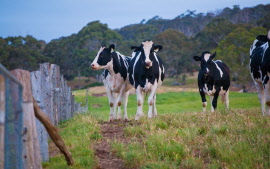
170,102
180,137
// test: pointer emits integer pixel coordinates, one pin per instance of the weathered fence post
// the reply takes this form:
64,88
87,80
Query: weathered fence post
38,95
32,151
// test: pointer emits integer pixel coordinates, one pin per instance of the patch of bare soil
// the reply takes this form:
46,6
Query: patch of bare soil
110,131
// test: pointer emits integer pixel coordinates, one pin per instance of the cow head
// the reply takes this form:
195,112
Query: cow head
148,50
103,58
206,59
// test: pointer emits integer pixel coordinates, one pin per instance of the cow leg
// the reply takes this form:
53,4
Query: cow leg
140,98
226,99
261,96
125,102
204,102
114,105
214,101
111,99
267,98
211,101
154,106
151,100
119,101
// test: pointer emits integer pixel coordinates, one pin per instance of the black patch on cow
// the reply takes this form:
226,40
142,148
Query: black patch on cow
141,73
265,66
119,65
105,73
104,57
257,62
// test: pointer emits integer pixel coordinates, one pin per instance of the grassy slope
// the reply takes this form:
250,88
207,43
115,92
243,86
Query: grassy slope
238,138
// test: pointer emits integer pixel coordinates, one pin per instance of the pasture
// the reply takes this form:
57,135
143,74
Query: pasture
180,137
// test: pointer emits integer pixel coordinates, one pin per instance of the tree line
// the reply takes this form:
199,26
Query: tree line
229,32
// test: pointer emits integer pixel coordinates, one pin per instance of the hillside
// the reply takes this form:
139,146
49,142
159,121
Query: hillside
184,36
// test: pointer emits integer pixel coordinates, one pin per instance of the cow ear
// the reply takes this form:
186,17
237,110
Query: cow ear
197,58
136,48
112,47
158,48
133,47
213,56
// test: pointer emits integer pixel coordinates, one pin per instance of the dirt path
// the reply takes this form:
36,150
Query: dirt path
110,131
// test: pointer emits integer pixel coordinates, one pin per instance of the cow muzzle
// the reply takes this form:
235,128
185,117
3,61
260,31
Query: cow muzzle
206,72
94,66
148,64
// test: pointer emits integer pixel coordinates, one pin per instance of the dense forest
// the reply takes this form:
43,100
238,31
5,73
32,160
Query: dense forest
229,32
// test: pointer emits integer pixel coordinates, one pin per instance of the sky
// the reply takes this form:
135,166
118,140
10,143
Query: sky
52,19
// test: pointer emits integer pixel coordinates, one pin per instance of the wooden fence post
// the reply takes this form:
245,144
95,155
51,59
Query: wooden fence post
42,133
47,90
32,152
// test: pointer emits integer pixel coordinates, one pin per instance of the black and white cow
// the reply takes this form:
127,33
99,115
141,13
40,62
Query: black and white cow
213,80
260,69
115,78
146,74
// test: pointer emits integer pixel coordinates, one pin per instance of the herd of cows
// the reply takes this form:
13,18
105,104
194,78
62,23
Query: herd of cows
145,72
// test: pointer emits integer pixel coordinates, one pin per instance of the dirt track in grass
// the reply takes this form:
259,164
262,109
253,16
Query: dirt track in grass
111,131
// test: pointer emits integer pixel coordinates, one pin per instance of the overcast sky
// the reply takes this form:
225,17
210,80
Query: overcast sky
51,19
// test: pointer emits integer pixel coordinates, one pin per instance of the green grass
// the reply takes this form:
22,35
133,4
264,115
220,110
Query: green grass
79,135
172,102
236,139
180,137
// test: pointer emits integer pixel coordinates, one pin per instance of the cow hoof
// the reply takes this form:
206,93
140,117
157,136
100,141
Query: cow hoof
137,118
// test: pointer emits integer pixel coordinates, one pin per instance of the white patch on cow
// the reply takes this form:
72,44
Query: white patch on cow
155,55
96,65
133,55
163,69
205,89
268,35
220,71
160,70
123,58
264,46
253,46
147,45
206,56
207,70
222,92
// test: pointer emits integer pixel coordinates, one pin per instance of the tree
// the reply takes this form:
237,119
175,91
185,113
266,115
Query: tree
214,32
74,53
234,51
176,53
22,52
